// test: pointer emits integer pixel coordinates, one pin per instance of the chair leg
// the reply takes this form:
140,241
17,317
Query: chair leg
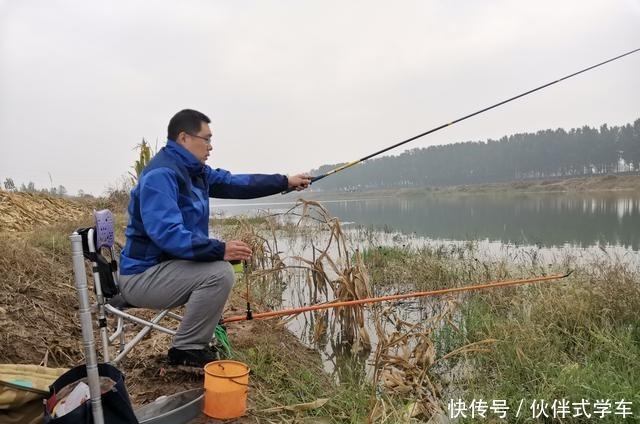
119,330
153,323
104,336
148,326
174,316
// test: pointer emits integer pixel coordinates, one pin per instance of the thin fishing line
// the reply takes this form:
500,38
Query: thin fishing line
386,149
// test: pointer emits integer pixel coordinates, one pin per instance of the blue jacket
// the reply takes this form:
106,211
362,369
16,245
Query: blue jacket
169,208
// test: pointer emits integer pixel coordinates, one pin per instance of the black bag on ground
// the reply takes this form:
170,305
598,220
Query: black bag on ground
116,405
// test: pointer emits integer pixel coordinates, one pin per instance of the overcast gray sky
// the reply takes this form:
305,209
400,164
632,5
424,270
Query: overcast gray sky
292,85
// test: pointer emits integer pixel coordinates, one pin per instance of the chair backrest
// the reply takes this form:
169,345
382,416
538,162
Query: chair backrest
94,241
104,229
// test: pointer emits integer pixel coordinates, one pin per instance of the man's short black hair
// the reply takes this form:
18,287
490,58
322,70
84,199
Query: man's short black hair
187,120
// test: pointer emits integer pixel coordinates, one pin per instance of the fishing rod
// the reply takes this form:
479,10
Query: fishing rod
294,311
355,162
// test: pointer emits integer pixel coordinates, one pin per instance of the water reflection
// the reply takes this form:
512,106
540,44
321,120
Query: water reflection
549,220
542,220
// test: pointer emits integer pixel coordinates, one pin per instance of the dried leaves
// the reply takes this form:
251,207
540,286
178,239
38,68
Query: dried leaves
405,357
24,211
37,295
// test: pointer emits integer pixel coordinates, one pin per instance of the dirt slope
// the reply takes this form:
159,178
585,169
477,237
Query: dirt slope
39,306
25,211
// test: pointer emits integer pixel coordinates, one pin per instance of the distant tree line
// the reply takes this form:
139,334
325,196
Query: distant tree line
119,191
30,187
544,154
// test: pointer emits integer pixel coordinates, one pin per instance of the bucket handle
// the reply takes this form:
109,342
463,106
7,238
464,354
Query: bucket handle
238,382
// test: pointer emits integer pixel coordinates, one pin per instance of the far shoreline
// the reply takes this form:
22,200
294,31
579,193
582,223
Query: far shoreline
599,184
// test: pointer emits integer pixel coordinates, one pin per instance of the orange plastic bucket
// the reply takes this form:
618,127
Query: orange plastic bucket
226,384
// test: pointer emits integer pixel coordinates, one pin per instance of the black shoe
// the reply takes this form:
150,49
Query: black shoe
216,352
190,357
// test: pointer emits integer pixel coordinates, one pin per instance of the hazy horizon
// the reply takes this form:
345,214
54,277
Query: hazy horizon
291,86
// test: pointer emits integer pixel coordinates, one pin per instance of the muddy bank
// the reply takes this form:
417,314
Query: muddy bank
39,307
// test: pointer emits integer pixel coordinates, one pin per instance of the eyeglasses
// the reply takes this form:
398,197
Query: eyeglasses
206,140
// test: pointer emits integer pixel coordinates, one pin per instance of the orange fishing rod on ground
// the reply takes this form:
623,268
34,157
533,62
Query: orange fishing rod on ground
294,311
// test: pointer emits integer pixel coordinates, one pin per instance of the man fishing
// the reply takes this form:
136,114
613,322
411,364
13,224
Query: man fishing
168,259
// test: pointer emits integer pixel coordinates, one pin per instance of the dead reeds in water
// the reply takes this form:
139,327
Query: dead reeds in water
406,364
347,276
404,357
333,272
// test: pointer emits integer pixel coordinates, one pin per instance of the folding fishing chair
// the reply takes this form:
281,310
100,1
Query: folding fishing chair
109,301
179,408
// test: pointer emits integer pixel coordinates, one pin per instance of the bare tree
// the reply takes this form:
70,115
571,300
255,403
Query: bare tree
9,184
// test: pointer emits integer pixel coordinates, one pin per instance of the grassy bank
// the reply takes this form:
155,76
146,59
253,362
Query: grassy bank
572,339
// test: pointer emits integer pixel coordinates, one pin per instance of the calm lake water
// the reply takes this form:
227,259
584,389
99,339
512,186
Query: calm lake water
586,228
539,220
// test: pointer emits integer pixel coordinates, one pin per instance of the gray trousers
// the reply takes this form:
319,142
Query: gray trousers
203,286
